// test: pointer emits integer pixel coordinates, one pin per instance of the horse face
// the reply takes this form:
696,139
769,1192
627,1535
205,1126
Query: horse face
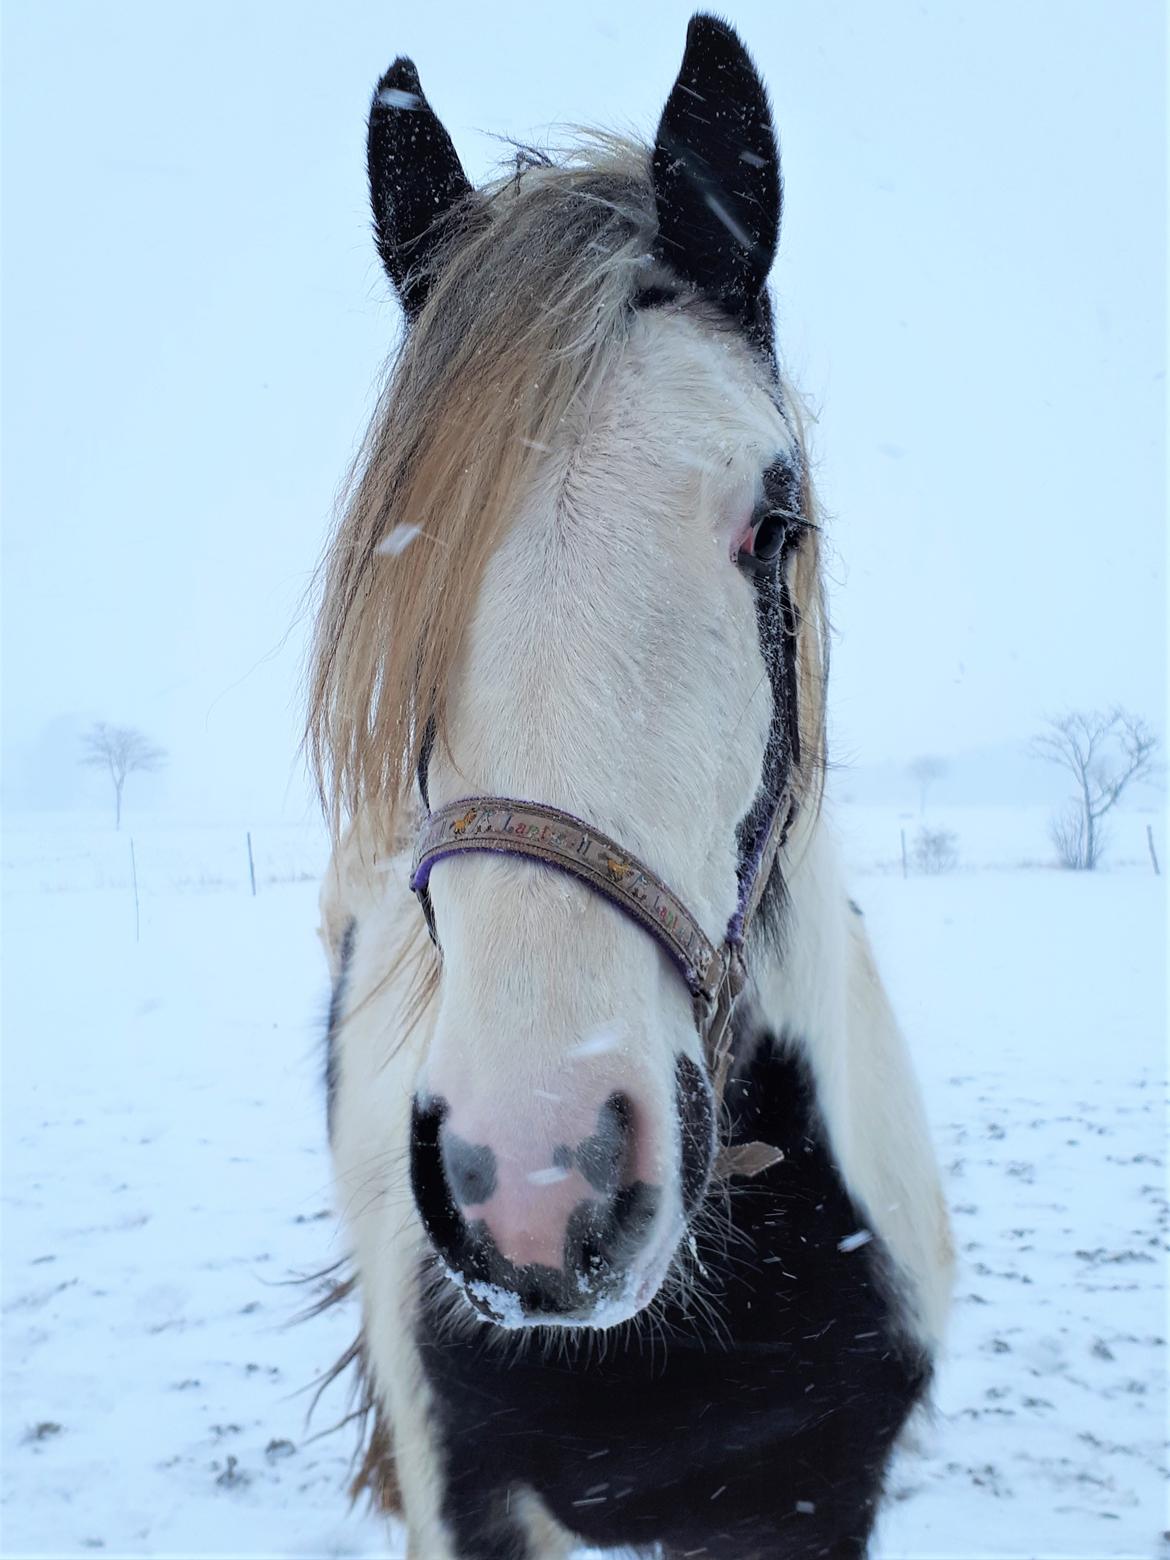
563,1126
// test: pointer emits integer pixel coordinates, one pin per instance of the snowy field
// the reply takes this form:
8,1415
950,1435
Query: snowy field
165,1177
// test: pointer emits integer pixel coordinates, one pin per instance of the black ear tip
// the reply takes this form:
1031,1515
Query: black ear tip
714,38
705,27
402,79
716,171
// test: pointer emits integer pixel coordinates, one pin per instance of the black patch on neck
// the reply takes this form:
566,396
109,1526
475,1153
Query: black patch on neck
752,1422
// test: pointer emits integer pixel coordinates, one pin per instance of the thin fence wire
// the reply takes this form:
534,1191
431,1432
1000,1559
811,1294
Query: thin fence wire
162,861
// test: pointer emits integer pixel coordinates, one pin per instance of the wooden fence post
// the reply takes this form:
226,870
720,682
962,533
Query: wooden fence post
1153,852
251,864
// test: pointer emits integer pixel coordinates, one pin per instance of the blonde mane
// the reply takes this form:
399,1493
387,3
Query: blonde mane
528,305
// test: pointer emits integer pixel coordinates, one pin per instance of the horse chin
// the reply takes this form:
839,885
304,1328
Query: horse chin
655,1272
623,1299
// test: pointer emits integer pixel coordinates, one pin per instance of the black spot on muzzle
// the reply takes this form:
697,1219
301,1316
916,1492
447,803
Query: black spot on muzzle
470,1169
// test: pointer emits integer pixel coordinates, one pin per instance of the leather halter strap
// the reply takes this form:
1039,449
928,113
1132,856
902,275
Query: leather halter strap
714,975
489,823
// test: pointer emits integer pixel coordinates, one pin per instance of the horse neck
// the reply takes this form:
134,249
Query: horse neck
818,994
801,963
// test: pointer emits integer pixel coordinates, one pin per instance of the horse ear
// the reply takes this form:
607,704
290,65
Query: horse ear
716,171
415,180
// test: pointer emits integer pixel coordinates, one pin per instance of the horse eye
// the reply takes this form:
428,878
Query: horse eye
766,540
769,536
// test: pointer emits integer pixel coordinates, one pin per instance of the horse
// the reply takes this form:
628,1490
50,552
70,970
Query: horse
644,1216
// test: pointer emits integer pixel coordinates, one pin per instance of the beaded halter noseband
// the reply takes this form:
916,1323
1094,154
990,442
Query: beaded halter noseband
714,975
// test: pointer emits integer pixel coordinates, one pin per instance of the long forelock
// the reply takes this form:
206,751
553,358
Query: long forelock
528,303
527,309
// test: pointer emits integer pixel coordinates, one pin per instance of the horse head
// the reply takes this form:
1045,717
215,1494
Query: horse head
578,570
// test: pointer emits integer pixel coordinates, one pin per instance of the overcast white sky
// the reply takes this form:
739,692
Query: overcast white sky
970,287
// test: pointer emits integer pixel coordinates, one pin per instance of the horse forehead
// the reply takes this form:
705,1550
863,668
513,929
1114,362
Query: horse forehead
701,382
614,586
676,436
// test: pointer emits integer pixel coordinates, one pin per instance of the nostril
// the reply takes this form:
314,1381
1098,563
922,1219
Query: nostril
470,1169
603,1157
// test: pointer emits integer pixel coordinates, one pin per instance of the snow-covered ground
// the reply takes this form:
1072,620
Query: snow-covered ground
165,1177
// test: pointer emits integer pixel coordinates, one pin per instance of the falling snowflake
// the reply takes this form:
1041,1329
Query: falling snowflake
394,97
398,540
852,1242
598,1042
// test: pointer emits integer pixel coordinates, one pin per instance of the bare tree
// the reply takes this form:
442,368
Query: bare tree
926,770
120,750
1104,751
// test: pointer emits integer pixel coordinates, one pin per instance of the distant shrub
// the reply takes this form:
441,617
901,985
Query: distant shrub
936,850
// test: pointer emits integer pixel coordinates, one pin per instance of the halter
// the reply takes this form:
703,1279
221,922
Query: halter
714,974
